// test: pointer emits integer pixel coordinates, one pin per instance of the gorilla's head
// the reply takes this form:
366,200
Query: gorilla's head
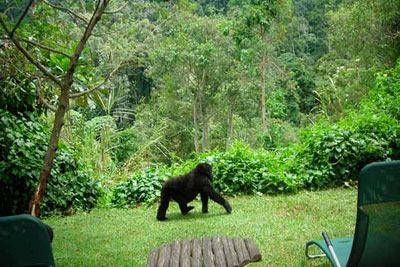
204,168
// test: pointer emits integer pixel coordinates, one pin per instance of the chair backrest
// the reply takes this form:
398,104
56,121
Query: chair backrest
377,234
24,241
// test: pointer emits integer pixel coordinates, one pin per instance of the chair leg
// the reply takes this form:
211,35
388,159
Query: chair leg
313,256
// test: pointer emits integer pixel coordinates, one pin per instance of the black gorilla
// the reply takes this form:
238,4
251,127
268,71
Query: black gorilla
185,188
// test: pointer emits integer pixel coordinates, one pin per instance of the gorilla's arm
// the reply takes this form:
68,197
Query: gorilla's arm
209,191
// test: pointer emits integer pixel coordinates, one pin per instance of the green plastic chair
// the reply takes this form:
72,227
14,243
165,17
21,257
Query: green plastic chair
376,241
24,241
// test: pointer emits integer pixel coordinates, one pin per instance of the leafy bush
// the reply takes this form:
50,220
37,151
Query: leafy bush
98,125
126,141
70,185
243,171
278,134
143,187
23,142
336,153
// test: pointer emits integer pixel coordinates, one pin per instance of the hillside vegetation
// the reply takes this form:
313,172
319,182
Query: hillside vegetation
279,96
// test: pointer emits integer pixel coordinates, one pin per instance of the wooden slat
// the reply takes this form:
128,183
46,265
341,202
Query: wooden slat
185,254
230,253
243,254
212,252
218,251
175,254
246,256
252,248
152,259
196,253
208,257
238,249
163,258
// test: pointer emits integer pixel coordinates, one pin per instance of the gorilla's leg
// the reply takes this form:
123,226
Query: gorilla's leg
217,198
164,203
185,208
204,201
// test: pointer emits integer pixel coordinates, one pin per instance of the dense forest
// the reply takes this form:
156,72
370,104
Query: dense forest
278,96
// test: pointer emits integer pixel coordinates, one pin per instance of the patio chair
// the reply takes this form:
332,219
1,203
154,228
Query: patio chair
376,240
24,241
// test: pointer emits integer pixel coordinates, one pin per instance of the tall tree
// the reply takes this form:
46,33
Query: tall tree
64,82
193,59
254,22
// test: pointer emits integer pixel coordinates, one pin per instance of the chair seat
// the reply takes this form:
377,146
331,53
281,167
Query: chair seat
342,248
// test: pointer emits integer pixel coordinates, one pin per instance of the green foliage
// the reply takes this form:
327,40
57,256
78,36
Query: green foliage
71,186
192,82
98,124
279,134
143,187
337,152
125,145
17,95
243,171
23,141
23,144
326,155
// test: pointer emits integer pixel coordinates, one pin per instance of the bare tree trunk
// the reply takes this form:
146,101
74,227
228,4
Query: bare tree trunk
230,125
203,121
37,198
205,134
196,124
263,79
203,111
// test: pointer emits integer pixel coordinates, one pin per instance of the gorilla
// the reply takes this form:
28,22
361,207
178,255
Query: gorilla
185,188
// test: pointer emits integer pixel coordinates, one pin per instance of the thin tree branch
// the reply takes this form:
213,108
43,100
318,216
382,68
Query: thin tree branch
117,10
98,12
97,86
39,95
21,18
28,55
45,47
65,9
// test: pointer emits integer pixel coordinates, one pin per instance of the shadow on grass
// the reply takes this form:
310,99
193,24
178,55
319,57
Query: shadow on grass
176,216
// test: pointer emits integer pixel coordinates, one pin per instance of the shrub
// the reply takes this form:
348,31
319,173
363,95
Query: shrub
279,134
143,187
336,153
126,145
23,141
70,185
243,171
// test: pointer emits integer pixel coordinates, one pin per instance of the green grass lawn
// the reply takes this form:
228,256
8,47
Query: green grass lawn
279,225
